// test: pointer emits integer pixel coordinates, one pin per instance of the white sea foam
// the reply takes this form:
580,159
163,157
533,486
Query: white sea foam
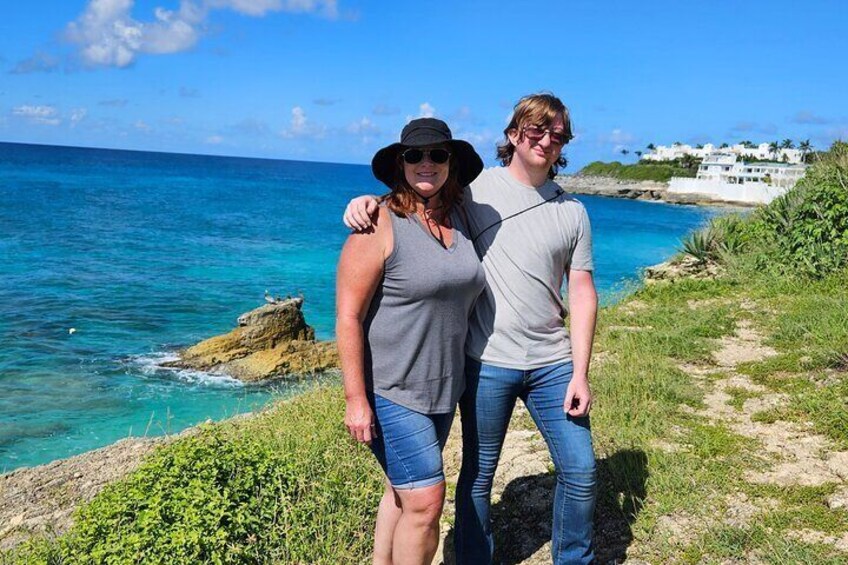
151,365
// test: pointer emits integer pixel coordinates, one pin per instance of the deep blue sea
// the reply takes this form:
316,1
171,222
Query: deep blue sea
143,253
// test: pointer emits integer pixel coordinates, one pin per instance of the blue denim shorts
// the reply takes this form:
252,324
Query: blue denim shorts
409,444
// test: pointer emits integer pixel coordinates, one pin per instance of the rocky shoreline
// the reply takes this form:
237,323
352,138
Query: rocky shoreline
41,500
636,190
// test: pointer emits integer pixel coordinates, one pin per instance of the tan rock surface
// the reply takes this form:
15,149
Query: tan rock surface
270,342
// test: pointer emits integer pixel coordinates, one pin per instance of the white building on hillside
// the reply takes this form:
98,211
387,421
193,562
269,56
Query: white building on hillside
722,177
761,151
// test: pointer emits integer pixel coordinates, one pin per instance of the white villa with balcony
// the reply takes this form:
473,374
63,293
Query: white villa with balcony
722,177
761,151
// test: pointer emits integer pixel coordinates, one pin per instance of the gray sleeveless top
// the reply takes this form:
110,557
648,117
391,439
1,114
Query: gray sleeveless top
417,322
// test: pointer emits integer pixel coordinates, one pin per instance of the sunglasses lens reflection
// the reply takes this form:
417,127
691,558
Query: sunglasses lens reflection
414,156
536,134
439,156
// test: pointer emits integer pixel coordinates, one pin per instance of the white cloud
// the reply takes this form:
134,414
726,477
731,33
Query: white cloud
77,115
482,141
39,63
141,125
363,126
214,140
46,115
619,139
425,110
108,36
300,126
365,129
327,8
298,121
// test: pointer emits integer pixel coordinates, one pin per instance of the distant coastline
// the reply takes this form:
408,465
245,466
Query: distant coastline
596,185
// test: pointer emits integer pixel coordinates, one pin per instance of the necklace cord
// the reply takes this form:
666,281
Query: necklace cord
559,193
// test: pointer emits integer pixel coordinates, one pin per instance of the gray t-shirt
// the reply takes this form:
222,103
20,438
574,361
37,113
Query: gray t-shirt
519,320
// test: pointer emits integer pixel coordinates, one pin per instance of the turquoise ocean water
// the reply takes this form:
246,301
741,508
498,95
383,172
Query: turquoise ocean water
143,253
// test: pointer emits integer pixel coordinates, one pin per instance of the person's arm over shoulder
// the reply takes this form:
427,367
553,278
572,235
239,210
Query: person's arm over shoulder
360,211
359,272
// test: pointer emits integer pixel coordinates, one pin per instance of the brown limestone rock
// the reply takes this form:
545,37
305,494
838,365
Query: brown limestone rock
270,342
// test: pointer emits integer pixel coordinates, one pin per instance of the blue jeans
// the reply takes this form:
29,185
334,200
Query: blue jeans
408,445
485,410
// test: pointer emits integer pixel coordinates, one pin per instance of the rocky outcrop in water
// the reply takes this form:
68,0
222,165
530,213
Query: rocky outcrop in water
271,342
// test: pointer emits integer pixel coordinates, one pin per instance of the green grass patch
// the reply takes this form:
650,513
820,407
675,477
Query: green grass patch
757,543
738,396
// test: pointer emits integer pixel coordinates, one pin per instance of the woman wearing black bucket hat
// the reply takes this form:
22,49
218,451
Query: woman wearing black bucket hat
404,294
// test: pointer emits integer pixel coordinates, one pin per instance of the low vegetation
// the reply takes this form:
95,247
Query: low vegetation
802,233
720,426
282,487
644,170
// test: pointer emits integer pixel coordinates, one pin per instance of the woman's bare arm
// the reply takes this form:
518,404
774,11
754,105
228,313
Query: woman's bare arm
359,271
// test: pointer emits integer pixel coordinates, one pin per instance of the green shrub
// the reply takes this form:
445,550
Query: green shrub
287,486
721,239
637,172
802,233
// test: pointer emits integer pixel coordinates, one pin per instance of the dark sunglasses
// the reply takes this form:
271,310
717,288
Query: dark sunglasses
535,133
412,156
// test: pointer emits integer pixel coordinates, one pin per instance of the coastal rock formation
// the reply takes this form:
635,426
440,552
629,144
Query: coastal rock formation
633,190
270,342
679,268
606,186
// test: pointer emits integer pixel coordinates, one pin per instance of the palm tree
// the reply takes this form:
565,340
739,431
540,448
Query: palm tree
806,148
689,162
787,144
774,147
638,154
723,146
699,146
625,152
651,147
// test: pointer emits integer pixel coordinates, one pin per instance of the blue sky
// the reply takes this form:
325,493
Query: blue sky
329,80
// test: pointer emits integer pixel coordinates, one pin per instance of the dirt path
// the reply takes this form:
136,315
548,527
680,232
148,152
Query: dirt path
788,454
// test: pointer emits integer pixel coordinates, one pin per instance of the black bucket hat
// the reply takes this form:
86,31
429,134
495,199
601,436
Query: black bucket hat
421,133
